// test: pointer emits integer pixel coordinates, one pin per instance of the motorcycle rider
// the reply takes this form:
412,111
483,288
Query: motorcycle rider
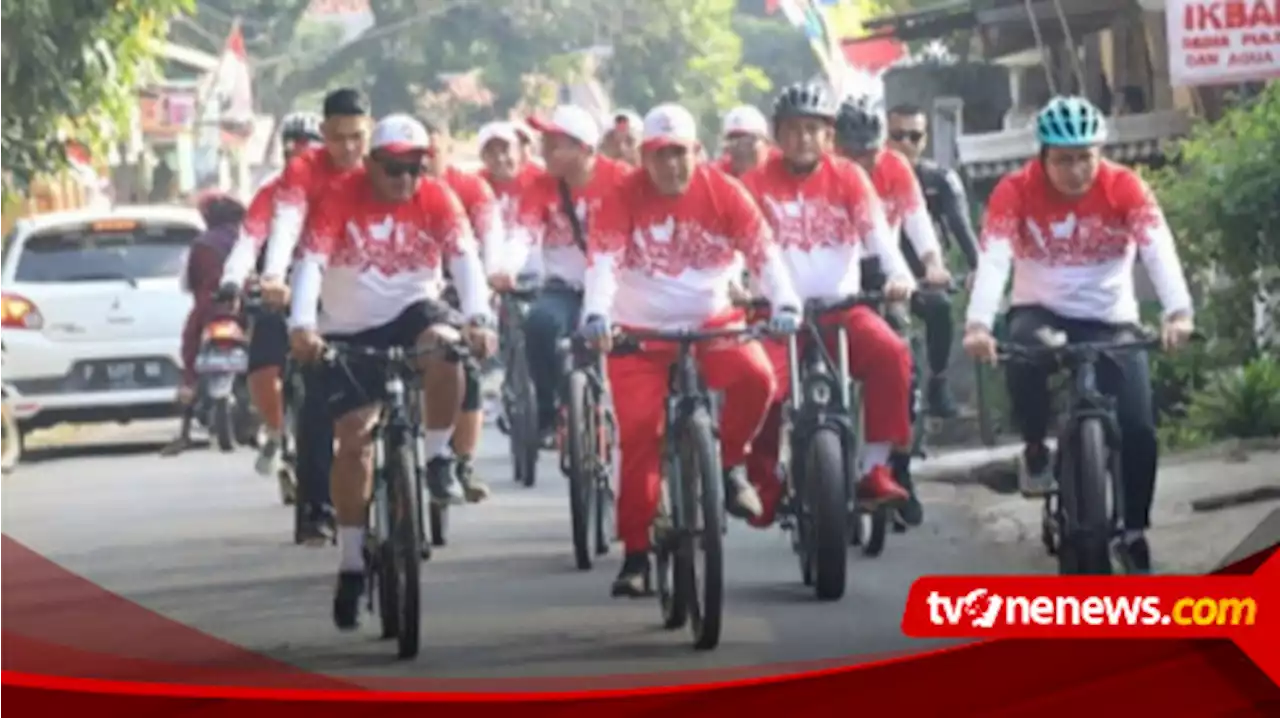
622,141
308,176
665,245
577,177
372,264
1068,225
485,216
825,213
269,342
222,216
860,137
746,141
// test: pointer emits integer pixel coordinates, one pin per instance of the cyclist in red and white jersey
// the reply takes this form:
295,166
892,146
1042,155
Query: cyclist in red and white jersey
269,342
622,141
665,246
1068,227
371,274
509,175
577,178
825,215
747,143
485,214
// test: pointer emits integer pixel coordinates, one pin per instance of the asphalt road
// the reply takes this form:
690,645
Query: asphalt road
203,540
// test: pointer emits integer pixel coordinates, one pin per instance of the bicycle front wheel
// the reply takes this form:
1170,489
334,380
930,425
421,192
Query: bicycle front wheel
1087,545
405,546
702,527
582,485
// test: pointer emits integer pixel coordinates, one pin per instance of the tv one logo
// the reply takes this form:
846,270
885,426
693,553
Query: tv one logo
982,609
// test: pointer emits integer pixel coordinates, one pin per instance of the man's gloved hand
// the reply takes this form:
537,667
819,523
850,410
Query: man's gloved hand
784,322
598,333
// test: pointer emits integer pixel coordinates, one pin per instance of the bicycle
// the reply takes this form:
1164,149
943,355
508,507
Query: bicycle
691,512
519,420
1084,506
394,538
588,441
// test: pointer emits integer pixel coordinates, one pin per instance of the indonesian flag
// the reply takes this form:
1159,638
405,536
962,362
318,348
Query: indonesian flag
232,85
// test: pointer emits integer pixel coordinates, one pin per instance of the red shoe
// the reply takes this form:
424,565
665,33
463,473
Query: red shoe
879,487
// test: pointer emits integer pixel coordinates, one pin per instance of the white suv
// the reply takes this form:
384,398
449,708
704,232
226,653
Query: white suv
93,311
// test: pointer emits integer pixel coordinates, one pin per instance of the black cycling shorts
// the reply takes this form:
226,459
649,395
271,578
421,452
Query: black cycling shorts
268,342
355,382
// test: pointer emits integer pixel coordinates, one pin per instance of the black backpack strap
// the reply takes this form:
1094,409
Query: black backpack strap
566,203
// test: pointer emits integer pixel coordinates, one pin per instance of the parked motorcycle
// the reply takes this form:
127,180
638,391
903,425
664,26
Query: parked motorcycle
222,393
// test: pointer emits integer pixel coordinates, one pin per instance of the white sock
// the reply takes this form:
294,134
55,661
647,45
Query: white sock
436,442
351,541
873,455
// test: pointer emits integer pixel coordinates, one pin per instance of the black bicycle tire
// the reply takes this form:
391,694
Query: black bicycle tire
388,588
223,429
603,475
672,594
405,537
827,495
704,492
1088,489
578,435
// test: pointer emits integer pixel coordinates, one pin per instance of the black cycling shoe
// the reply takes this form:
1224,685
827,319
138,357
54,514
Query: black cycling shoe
442,483
346,600
633,579
741,498
940,402
319,526
910,513
1135,555
473,489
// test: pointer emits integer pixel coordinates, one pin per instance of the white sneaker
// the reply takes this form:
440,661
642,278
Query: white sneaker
268,463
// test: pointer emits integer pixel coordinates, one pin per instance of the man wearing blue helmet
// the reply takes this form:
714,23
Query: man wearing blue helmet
1068,226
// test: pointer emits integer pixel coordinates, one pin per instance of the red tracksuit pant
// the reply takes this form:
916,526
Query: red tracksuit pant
638,384
879,359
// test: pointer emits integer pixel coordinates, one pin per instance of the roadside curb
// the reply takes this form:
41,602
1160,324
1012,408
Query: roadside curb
1000,474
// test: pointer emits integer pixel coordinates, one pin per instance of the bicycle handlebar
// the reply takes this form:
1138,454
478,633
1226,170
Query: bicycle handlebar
335,350
688,336
1031,352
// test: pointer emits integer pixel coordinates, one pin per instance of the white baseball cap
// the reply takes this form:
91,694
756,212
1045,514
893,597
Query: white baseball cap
669,124
745,120
571,121
504,131
399,134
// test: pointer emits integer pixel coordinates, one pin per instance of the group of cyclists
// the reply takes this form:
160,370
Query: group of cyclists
371,236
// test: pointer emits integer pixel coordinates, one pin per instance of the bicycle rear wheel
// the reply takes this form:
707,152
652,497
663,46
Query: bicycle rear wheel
702,528
522,420
404,546
1086,545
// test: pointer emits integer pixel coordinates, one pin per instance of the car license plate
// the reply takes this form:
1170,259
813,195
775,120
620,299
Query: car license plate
122,374
233,362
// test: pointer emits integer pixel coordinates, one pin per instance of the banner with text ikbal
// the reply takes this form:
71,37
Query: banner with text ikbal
1220,42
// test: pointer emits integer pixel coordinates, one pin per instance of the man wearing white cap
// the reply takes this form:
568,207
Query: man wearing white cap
372,264
622,141
554,218
509,175
665,247
746,141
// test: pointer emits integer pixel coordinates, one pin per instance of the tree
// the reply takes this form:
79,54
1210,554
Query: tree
679,51
72,65
779,50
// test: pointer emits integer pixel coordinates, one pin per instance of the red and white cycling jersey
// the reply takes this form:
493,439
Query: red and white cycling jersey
543,231
253,234
903,199
366,260
508,195
307,177
824,223
664,261
1074,256
483,211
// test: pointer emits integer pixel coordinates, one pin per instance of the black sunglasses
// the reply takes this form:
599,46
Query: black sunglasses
914,136
399,168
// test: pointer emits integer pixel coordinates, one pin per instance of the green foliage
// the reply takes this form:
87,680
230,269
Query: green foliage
1220,198
681,51
1242,402
782,53
72,65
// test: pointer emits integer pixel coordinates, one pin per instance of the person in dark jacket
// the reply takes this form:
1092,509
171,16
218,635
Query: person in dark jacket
222,217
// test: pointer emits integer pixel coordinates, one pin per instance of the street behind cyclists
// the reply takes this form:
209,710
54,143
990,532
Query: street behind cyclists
1068,226
371,275
665,246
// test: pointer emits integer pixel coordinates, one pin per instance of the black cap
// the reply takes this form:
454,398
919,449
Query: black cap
346,102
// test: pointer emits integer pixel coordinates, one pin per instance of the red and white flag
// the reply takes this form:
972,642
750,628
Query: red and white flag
231,83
